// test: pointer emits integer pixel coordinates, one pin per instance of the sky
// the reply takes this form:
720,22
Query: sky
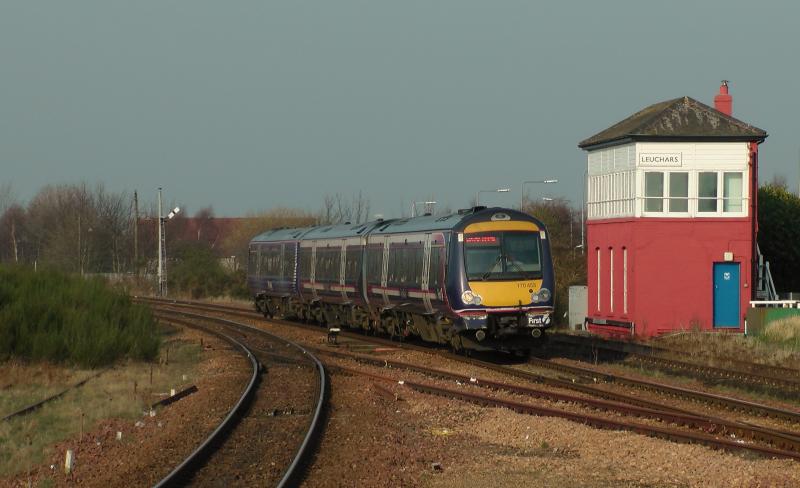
251,105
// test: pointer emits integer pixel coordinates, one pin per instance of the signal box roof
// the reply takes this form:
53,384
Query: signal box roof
679,120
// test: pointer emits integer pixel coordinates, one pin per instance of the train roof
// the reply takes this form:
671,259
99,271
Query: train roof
423,223
277,235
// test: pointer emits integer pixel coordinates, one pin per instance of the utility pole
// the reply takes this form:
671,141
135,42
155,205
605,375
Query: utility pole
161,282
162,246
135,233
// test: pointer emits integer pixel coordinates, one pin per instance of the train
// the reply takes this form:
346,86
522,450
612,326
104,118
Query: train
478,279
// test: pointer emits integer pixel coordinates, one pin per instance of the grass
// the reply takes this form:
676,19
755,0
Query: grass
124,391
777,345
784,332
54,317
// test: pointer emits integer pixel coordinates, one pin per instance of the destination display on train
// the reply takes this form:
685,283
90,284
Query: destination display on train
481,240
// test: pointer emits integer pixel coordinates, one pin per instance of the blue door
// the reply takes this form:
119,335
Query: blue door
726,294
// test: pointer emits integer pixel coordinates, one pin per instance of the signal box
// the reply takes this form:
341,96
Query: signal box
671,227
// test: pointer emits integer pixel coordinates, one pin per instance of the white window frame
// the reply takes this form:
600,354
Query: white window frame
625,280
694,194
611,279
598,279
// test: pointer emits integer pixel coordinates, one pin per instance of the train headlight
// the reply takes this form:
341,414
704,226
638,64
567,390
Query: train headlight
470,297
544,295
534,297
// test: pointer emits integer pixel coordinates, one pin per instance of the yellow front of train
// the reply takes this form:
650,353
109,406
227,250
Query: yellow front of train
504,295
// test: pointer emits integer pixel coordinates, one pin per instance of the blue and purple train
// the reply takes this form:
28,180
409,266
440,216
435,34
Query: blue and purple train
479,279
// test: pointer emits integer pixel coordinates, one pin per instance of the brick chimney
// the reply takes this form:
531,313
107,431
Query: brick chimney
722,101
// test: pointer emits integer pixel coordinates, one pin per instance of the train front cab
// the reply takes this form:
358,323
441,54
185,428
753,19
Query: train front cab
502,293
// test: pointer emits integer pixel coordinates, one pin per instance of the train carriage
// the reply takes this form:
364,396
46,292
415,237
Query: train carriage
477,279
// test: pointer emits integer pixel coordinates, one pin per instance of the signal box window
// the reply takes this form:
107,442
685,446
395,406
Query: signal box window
679,192
654,192
707,192
732,192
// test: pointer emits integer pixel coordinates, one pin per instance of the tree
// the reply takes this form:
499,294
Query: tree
336,209
563,232
779,234
237,239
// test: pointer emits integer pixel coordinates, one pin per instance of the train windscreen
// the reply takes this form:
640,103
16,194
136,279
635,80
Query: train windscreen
492,256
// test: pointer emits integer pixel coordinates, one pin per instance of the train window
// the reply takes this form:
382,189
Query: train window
679,192
352,265
289,258
252,261
304,258
707,192
414,267
327,264
732,192
393,271
502,256
374,264
434,271
654,191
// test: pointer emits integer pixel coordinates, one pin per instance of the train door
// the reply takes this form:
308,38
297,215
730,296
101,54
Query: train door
343,269
726,295
425,278
385,270
313,277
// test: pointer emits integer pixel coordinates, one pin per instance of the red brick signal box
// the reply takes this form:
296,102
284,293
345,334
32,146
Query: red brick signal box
671,227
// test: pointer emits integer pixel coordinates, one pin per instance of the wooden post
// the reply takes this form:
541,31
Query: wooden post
68,461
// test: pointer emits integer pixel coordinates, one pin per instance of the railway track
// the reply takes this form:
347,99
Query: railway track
223,456
39,404
775,377
762,440
578,372
779,440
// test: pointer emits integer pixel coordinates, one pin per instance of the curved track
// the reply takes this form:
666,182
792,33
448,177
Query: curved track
579,372
201,460
762,440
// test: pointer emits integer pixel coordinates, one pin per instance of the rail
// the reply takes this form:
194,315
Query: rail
292,474
185,469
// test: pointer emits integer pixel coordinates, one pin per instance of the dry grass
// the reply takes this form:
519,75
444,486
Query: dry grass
784,331
122,392
778,345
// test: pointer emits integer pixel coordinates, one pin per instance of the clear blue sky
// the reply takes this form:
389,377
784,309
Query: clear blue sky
247,105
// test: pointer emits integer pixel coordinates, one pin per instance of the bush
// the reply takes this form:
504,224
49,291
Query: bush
197,272
52,316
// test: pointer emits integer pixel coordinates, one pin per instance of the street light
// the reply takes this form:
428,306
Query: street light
162,246
522,196
428,207
499,190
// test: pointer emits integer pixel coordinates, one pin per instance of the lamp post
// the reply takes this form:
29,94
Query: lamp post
428,207
162,247
522,195
478,194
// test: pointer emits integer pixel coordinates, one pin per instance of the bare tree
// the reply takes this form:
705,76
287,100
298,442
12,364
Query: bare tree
336,209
